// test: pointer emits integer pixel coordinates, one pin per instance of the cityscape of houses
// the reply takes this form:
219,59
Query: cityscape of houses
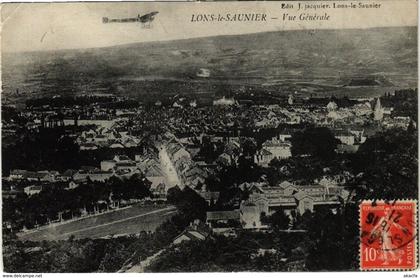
170,143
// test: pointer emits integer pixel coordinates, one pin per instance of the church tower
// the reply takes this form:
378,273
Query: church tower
378,113
290,100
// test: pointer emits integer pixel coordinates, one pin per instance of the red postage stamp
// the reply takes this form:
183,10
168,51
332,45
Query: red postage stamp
388,235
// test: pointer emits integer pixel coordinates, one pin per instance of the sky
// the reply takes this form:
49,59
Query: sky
54,26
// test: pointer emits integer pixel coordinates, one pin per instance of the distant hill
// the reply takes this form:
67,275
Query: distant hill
338,56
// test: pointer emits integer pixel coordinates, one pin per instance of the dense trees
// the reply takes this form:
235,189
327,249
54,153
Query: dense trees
332,239
386,166
190,205
241,253
404,103
279,220
315,141
86,255
55,202
53,149
230,176
48,149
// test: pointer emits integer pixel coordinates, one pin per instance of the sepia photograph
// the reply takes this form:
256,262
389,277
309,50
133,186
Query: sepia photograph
209,137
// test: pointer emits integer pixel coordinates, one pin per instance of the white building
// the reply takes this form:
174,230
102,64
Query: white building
33,189
279,149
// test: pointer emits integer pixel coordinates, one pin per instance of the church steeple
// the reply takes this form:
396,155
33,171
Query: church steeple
378,113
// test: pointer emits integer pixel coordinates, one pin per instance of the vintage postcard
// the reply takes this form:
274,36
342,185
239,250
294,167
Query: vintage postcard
209,137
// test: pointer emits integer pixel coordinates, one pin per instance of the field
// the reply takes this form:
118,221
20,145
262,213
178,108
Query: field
126,221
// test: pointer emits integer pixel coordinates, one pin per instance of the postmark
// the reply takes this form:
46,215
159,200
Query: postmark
388,235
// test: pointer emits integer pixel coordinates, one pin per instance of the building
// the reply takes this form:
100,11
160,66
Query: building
210,197
224,101
17,174
299,198
290,99
332,106
32,190
196,231
108,165
100,176
378,112
344,148
279,149
223,219
155,175
345,137
263,157
159,191
250,213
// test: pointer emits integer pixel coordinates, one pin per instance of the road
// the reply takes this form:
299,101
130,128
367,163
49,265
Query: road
128,221
141,266
168,168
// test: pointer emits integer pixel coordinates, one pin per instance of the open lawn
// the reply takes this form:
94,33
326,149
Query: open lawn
131,220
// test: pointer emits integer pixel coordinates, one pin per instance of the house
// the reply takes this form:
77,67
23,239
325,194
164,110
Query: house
252,187
289,197
33,189
250,213
343,148
345,137
210,197
122,158
284,136
263,157
224,159
121,162
100,175
72,185
279,149
17,174
263,252
188,235
224,101
288,188
100,139
66,176
35,176
154,173
332,106
116,146
130,142
87,146
196,231
177,105
159,191
48,176
126,166
108,165
304,202
179,153
223,219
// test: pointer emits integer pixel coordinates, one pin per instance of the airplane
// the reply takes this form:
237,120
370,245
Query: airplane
145,20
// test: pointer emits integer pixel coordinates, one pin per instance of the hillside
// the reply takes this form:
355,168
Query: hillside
325,56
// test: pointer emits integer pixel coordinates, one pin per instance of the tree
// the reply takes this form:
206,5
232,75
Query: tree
279,220
386,167
249,147
315,141
333,231
189,203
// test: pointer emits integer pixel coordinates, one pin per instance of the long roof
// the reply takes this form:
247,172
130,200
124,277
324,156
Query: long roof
223,215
